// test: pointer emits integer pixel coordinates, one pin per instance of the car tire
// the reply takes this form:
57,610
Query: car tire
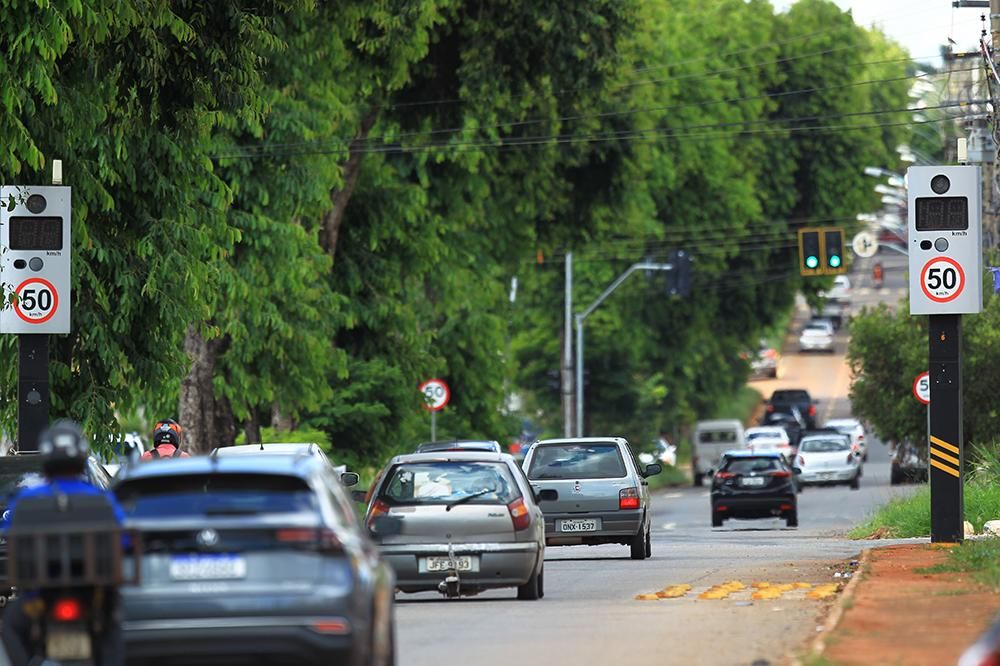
649,544
532,590
792,518
541,584
895,476
717,520
864,457
856,481
699,480
638,545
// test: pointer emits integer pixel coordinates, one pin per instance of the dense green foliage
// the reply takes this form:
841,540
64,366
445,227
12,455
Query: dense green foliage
329,200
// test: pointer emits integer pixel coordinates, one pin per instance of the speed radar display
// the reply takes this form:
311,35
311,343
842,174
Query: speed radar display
945,239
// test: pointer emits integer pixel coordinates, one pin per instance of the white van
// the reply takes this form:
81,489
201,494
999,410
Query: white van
712,439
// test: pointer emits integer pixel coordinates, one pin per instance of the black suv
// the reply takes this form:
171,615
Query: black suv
754,485
785,399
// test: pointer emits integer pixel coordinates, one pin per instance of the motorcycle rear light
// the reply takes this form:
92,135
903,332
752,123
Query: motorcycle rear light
67,610
334,626
628,498
519,514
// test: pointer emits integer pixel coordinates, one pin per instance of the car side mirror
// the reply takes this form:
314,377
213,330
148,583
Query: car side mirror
547,495
796,470
359,496
384,526
653,470
349,479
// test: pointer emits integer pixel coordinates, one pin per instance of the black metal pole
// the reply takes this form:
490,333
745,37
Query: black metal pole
32,389
947,448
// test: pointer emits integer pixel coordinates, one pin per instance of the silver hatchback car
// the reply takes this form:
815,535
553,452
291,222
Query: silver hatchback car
602,492
459,523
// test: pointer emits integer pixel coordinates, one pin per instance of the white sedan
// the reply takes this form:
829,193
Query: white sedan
769,438
853,429
829,459
816,338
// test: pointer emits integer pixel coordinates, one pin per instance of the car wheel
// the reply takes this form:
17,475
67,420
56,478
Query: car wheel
856,481
792,518
649,544
532,590
541,584
895,476
716,520
699,480
638,545
864,457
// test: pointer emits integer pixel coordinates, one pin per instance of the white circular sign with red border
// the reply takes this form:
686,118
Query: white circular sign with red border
942,279
436,394
37,300
922,387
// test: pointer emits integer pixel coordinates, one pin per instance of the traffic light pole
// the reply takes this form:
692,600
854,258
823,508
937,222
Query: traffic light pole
32,389
947,450
581,316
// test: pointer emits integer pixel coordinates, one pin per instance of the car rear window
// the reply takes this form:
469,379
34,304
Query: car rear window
577,461
444,482
753,436
790,396
748,465
215,495
717,436
823,445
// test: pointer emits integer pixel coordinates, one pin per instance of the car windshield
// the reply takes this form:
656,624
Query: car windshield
717,436
198,495
748,465
577,461
445,482
823,446
815,330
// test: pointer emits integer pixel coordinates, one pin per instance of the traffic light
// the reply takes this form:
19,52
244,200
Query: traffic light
809,252
833,245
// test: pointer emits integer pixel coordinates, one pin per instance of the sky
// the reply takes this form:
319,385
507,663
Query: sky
921,26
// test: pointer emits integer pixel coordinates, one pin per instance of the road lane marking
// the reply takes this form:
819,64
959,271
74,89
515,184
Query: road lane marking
944,456
944,468
673,496
670,526
944,445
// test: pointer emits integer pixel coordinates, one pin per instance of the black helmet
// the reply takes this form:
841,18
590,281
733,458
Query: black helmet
167,431
64,447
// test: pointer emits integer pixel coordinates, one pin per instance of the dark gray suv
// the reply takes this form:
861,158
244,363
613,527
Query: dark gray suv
252,559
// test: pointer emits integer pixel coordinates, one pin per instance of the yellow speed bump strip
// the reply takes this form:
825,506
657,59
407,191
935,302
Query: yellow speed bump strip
722,591
772,591
824,591
673,592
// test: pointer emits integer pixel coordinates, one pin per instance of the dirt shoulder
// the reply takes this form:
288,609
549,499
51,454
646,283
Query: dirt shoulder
902,615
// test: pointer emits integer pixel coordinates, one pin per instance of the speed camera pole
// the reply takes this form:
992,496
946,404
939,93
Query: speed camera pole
945,237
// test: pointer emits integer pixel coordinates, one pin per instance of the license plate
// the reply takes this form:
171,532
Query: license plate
753,481
64,644
580,525
207,567
827,475
458,563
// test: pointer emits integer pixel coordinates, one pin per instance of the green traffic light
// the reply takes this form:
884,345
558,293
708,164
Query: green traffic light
813,262
835,261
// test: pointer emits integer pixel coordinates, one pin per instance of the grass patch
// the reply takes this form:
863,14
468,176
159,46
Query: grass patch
740,405
911,516
668,478
980,558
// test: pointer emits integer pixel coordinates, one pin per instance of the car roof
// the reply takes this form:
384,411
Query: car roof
851,422
451,456
285,448
287,465
766,430
719,423
833,434
463,444
746,453
582,440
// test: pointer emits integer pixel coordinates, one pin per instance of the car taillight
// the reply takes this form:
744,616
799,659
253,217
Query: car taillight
379,508
812,410
770,408
628,498
850,457
861,438
802,461
323,539
725,475
67,610
781,474
519,514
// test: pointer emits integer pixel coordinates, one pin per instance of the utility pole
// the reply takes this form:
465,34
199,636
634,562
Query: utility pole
566,376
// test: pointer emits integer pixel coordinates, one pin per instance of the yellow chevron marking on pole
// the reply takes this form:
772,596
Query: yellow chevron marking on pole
944,468
945,456
944,445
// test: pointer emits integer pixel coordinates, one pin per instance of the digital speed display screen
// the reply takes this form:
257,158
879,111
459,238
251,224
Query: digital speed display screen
942,214
37,233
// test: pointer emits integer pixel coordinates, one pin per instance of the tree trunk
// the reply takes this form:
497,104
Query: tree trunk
207,422
280,420
330,226
251,428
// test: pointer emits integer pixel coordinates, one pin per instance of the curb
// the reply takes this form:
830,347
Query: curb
833,619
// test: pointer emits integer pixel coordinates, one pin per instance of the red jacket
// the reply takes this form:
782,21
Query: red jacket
165,451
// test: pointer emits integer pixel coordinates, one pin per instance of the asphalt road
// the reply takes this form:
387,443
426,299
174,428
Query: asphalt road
590,614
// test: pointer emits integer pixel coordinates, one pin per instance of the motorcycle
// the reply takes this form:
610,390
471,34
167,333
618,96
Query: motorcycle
68,556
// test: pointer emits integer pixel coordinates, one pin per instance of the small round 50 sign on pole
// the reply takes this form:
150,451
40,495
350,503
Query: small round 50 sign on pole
436,395
922,388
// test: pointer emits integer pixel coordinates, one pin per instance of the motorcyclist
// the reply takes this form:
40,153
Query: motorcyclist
167,439
65,449
877,274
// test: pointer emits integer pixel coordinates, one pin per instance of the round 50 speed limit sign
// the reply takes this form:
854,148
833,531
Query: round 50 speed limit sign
37,300
436,394
942,279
